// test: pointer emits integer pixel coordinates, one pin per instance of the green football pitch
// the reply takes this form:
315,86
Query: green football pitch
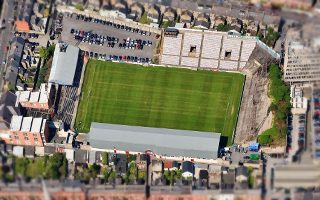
159,97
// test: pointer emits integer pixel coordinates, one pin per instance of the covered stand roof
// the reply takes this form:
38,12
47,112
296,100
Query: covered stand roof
159,140
64,64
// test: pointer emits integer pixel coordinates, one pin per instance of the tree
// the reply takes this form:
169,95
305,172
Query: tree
222,27
166,24
141,175
168,177
112,176
36,168
271,37
79,7
20,166
105,172
250,177
46,12
105,158
280,94
11,87
131,174
63,169
1,173
56,166
144,19
94,170
50,50
44,53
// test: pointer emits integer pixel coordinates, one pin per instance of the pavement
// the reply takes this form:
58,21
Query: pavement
5,35
72,22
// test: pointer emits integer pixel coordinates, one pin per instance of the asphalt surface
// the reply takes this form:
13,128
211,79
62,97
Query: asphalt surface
5,35
72,22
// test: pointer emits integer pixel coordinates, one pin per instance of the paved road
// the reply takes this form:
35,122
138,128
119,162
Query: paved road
5,35
69,23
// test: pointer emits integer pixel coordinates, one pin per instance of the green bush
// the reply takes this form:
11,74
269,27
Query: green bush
250,178
105,158
144,19
280,107
271,37
222,27
79,7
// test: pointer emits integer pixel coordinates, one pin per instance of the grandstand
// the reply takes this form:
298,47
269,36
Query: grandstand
211,46
191,44
170,45
209,50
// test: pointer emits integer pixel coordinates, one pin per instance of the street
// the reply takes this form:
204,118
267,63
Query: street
5,35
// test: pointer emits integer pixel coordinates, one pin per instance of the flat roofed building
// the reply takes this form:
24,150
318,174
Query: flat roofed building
64,64
36,125
27,131
159,140
34,97
23,96
37,100
26,124
16,123
297,176
302,56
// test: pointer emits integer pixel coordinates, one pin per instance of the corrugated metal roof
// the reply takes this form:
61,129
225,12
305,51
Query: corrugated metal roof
64,64
159,140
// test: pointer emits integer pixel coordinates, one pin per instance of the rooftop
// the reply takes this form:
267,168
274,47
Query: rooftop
34,97
16,123
64,64
36,125
22,26
159,140
26,124
23,96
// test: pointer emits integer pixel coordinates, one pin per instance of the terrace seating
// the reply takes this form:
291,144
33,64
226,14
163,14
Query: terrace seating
211,46
209,63
172,45
189,62
233,45
191,39
247,48
228,65
242,65
170,60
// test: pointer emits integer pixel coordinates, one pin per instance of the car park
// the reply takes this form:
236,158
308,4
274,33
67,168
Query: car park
106,37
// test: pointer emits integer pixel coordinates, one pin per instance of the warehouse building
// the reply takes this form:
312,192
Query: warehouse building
162,141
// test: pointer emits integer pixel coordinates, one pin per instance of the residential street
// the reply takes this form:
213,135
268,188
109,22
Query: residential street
5,35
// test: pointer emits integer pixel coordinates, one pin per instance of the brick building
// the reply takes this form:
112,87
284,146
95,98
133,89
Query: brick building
26,131
36,100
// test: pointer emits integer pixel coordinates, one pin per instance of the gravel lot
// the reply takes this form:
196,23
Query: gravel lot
72,22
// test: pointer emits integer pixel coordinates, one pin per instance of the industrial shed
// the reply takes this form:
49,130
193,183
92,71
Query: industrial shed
161,141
